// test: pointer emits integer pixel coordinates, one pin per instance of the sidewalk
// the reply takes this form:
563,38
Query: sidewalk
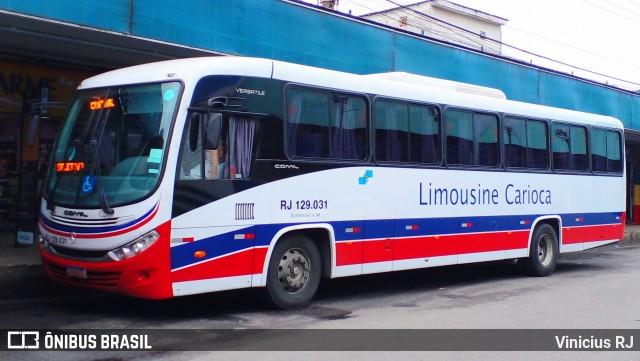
631,235
20,266
21,274
12,255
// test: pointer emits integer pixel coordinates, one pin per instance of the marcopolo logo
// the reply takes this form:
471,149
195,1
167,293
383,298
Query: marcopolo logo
23,340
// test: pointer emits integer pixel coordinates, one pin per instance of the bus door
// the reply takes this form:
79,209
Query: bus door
209,211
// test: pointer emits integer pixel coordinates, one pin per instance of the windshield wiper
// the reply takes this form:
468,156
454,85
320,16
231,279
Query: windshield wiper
94,143
104,202
101,125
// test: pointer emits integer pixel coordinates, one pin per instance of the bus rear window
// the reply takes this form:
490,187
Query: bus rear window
605,151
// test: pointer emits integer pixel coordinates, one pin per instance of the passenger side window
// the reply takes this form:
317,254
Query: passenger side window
525,143
569,145
406,132
325,124
472,138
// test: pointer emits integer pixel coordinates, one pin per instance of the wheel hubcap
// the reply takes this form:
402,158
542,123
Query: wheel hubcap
544,250
293,270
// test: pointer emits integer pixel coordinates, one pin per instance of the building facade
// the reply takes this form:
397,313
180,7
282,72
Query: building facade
447,21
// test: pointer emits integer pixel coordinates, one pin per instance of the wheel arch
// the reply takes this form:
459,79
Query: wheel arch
322,234
554,221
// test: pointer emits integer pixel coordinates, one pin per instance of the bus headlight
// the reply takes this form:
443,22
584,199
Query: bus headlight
133,248
43,241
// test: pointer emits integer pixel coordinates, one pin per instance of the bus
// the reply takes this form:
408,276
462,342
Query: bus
209,174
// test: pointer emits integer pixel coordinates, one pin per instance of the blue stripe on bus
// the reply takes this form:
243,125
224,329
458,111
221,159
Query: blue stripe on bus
225,244
216,246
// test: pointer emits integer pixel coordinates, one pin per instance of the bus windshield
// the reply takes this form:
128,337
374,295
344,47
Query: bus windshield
111,148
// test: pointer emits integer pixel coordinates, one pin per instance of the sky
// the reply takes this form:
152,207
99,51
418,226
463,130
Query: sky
597,35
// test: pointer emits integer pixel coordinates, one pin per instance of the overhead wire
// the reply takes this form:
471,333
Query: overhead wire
622,8
574,47
611,11
539,56
634,2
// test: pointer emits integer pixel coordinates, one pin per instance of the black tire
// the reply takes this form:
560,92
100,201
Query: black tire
543,253
294,272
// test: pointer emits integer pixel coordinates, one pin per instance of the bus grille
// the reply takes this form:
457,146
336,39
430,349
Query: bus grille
94,278
78,253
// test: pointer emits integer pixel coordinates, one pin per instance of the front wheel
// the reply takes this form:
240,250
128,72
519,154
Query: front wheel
543,253
294,272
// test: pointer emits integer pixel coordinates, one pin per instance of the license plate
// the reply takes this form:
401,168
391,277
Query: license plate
77,272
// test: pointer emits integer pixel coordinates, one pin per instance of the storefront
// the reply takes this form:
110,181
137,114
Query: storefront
33,100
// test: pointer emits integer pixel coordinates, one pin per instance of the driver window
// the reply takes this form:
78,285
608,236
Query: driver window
230,160
191,152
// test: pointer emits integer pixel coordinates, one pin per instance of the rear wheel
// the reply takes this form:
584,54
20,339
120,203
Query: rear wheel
294,272
543,253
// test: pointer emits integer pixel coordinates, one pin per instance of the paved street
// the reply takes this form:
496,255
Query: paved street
597,289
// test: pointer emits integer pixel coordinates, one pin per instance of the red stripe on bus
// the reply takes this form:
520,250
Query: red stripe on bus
572,235
236,264
429,246
517,240
259,257
377,251
348,253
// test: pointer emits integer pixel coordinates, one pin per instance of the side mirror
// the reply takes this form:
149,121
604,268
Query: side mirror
212,126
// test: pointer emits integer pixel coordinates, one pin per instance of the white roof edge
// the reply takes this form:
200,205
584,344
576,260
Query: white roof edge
406,85
452,6
440,84
181,69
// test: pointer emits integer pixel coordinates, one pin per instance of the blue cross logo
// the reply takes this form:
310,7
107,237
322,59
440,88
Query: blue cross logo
366,177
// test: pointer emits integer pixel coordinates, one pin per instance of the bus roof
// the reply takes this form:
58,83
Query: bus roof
443,84
190,70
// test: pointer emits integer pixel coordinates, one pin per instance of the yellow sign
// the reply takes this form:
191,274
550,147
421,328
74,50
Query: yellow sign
18,81
66,167
102,104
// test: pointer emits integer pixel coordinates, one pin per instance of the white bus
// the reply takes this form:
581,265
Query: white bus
209,174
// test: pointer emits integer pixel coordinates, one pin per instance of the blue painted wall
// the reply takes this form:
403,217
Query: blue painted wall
285,31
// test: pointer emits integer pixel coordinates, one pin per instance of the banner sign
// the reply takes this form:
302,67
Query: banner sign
20,80
321,340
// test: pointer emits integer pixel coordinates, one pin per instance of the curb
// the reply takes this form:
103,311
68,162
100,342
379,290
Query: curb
630,238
